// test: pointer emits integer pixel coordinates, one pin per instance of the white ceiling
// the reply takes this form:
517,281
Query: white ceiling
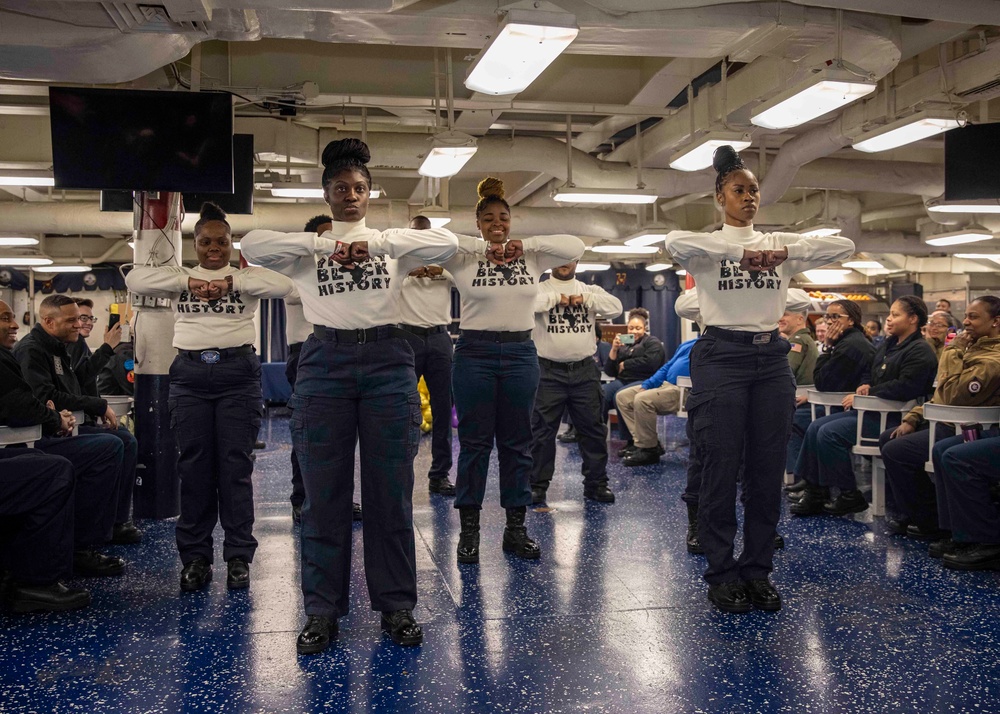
381,66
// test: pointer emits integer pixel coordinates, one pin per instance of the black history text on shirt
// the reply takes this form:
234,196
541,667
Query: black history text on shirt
230,304
732,278
515,273
565,319
333,278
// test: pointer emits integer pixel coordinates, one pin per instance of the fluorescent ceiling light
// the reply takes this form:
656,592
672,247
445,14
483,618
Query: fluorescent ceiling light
572,194
995,257
592,267
971,234
648,235
70,268
827,275
698,154
657,267
863,265
449,152
27,261
625,249
296,192
984,206
820,94
821,230
26,180
904,131
526,44
17,241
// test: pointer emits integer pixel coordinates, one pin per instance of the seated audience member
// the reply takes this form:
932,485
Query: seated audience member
965,473
803,353
969,376
842,365
873,331
943,305
639,405
903,369
50,370
87,364
819,327
939,325
95,462
631,363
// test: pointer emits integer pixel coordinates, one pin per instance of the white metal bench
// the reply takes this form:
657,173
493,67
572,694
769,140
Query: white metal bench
684,384
941,414
20,435
868,445
824,399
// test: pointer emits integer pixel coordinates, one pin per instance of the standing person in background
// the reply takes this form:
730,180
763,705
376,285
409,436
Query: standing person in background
297,331
631,363
743,394
819,327
355,386
495,372
565,314
215,396
944,305
425,311
87,365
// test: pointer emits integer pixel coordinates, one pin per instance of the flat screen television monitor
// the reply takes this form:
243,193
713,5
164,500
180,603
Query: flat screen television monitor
972,162
141,140
120,201
240,200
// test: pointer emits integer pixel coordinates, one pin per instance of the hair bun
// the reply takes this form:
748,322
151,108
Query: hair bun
211,212
726,159
490,187
346,150
638,312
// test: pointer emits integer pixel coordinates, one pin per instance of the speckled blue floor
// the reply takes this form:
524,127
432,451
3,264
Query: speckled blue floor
613,618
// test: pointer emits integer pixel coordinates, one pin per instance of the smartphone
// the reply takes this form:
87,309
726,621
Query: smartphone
113,320
627,339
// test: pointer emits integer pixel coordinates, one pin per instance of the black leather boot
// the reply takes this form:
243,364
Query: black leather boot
693,544
515,536
811,503
468,539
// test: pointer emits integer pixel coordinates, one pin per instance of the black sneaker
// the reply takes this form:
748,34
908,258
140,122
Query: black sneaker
441,485
730,597
402,628
763,595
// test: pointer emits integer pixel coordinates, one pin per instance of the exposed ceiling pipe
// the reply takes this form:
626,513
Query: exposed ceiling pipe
86,217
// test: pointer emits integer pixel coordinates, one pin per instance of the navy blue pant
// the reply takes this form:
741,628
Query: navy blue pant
742,398
909,491
96,460
346,393
126,474
36,492
495,385
964,473
432,360
826,458
215,414
291,372
576,389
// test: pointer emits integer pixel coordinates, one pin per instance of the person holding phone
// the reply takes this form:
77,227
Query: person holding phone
635,356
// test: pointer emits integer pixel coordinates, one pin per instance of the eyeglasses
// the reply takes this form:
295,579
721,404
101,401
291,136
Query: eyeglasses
833,316
88,320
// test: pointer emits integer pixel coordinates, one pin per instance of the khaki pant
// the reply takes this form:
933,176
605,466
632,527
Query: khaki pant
639,407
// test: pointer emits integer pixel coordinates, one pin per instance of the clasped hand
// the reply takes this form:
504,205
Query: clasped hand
208,291
350,254
570,300
504,253
758,260
427,271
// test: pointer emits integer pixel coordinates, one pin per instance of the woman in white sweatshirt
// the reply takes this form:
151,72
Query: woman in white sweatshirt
355,382
495,370
743,392
215,395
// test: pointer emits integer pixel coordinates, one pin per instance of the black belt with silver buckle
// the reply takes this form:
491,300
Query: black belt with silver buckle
568,366
214,356
424,331
355,337
496,336
741,337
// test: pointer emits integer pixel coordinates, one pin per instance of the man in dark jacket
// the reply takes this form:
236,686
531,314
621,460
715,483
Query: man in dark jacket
48,368
64,491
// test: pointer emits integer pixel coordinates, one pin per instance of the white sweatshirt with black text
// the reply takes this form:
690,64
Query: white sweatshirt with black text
750,301
426,302
565,333
223,323
349,298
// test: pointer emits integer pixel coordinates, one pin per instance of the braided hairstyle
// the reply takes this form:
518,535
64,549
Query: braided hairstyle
853,311
725,161
912,305
490,191
346,155
211,212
